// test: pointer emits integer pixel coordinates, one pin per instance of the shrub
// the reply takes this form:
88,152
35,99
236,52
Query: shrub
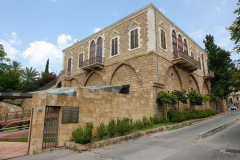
194,97
83,136
138,124
146,122
123,126
179,116
112,128
155,119
101,130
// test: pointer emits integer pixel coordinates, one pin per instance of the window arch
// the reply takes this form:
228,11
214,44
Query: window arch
180,47
92,52
185,47
200,66
99,47
174,41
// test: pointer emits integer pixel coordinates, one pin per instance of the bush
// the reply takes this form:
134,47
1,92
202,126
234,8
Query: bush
146,122
112,128
83,136
194,97
101,130
179,116
124,126
138,124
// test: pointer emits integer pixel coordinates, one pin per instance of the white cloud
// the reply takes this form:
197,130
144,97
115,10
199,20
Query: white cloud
12,39
63,41
199,34
39,51
96,29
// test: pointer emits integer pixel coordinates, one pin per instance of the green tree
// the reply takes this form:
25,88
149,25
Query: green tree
194,98
3,59
222,66
235,81
166,98
16,66
214,99
9,81
181,96
47,67
235,29
29,74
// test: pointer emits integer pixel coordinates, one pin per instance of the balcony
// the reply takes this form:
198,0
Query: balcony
92,63
184,60
209,75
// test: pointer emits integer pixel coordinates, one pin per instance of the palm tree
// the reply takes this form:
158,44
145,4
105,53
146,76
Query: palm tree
16,66
29,74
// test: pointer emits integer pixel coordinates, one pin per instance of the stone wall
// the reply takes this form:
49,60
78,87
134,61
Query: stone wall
94,106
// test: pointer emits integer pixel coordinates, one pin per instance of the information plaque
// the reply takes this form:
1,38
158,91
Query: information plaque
70,114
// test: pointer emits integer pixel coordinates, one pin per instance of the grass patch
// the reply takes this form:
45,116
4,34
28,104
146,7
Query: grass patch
17,140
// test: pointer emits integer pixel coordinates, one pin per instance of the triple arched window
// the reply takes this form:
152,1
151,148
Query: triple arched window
178,44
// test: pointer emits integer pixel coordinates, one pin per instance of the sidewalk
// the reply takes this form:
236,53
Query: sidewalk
13,149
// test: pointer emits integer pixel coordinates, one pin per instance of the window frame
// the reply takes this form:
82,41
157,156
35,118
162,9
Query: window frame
97,48
165,36
185,46
138,36
82,59
118,46
70,66
174,36
179,39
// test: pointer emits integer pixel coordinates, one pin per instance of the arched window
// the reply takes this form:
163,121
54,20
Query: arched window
199,63
174,44
192,55
92,52
203,64
185,48
99,47
180,47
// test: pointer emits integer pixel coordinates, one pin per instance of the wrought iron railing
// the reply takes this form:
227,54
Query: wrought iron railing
181,54
91,61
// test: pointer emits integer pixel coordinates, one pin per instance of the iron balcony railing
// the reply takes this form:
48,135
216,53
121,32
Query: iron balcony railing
181,54
92,61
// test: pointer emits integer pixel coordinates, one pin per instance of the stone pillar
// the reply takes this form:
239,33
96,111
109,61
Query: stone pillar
37,123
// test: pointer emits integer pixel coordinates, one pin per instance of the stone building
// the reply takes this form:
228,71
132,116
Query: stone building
145,50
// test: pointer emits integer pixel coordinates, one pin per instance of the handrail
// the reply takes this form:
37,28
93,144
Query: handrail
90,61
15,122
181,54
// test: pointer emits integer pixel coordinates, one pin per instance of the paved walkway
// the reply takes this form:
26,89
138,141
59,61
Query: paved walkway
13,149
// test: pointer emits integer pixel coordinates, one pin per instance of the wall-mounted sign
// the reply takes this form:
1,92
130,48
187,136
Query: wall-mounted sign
70,114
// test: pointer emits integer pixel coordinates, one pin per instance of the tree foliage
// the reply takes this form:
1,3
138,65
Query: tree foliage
47,67
29,74
9,81
235,29
166,98
222,66
194,98
16,66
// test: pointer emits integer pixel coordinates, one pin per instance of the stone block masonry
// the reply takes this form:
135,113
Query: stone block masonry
94,106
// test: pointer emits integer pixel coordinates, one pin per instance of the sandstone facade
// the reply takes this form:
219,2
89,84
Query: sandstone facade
149,68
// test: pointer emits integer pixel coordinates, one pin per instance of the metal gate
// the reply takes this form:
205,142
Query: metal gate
50,132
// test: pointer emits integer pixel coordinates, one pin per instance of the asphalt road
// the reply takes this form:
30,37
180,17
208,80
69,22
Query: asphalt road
180,144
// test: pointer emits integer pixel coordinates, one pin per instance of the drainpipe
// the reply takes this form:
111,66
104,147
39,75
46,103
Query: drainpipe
157,58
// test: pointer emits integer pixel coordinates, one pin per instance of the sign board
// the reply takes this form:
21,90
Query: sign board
70,114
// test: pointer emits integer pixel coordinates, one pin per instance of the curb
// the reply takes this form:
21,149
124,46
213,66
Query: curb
212,131
84,147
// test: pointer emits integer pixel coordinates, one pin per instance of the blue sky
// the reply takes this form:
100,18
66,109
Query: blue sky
34,30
